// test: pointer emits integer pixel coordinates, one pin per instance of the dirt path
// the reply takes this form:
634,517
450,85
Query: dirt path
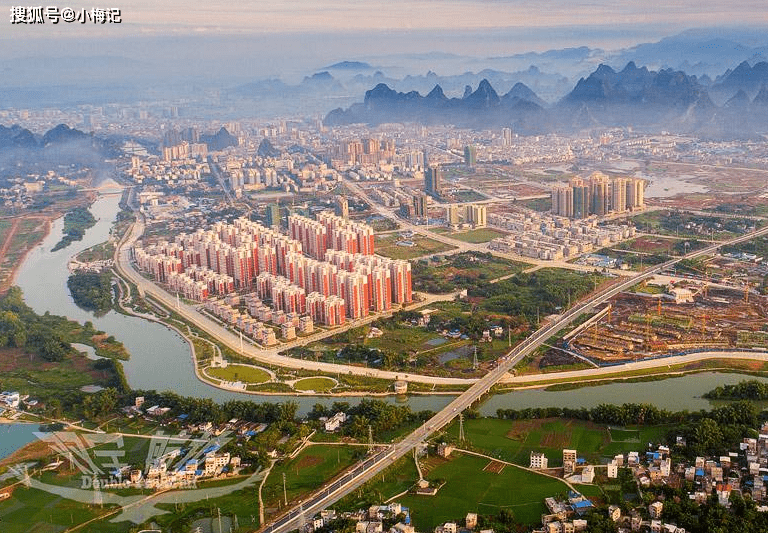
4,249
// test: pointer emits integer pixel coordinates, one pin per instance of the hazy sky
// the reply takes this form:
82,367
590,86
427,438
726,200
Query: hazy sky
275,36
353,15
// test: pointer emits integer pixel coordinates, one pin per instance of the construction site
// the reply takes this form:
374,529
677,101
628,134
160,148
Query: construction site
671,316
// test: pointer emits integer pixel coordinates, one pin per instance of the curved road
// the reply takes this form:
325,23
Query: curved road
268,356
366,470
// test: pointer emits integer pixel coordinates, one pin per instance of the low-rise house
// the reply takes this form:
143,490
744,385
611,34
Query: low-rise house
539,461
334,423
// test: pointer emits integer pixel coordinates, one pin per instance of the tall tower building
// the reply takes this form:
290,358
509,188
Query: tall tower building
420,205
506,137
452,215
562,201
581,198
470,155
477,215
619,195
600,193
433,181
635,193
342,207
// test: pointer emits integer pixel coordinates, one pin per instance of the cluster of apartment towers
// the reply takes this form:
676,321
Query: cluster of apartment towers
598,195
325,268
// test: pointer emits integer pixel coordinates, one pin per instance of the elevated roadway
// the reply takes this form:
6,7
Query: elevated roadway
373,465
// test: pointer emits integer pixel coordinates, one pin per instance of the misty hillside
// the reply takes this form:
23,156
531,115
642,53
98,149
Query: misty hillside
633,96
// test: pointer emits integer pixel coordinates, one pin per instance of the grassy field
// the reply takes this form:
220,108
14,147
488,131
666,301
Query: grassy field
244,373
399,338
39,511
386,246
514,440
314,466
399,477
477,236
31,374
461,271
315,384
468,488
689,225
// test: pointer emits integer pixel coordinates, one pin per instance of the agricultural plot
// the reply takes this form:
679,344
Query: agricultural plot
514,441
470,486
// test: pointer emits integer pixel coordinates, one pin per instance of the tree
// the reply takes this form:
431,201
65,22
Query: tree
12,331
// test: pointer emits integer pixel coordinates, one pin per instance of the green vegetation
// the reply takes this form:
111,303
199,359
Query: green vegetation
47,336
242,503
535,294
311,468
689,225
383,418
477,236
460,271
76,222
405,346
744,390
470,488
707,432
468,195
206,410
758,246
383,224
91,291
542,205
514,441
386,245
244,373
36,510
318,384
399,477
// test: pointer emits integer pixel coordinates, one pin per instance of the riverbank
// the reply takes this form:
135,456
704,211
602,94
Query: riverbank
747,362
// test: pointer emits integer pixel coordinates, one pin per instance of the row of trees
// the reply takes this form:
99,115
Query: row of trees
380,415
706,432
204,409
744,390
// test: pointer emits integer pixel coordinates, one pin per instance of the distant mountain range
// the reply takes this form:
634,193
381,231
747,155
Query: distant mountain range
18,137
634,96
62,145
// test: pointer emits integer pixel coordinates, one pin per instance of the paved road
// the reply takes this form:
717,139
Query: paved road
364,471
216,171
461,246
607,371
268,356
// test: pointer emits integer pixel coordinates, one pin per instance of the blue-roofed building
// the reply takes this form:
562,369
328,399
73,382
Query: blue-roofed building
582,507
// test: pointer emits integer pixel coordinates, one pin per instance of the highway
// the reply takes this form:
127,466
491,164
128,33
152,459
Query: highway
366,470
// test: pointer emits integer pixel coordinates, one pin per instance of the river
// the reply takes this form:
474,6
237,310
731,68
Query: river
160,358
14,436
